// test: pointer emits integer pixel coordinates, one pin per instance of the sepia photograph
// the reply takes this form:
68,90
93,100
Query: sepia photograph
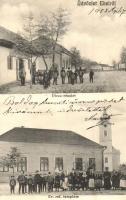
65,153
62,46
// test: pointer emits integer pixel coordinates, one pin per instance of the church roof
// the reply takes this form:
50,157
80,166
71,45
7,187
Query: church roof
115,151
33,135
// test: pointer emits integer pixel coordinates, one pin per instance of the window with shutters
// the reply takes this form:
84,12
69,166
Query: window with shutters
44,164
10,62
59,163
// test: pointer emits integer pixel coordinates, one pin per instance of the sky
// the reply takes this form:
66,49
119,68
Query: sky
72,121
98,38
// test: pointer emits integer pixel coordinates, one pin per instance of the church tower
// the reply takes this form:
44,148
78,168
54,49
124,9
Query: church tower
105,139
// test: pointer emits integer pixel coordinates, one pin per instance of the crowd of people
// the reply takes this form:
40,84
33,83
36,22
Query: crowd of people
37,183
47,77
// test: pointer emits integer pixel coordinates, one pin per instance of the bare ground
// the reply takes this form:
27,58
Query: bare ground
113,81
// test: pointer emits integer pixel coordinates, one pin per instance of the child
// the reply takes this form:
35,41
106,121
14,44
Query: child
12,184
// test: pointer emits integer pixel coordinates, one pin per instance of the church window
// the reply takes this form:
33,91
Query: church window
105,133
92,163
59,163
106,160
106,168
78,164
22,164
44,164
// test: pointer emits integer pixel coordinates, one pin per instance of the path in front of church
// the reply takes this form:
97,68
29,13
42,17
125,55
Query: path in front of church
5,190
105,81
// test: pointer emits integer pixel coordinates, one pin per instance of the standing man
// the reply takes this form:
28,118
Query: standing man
50,181
21,180
30,184
55,76
72,78
46,79
81,74
76,75
69,71
37,181
91,76
63,75
33,73
22,75
26,183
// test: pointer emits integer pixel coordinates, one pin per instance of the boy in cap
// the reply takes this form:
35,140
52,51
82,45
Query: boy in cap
12,184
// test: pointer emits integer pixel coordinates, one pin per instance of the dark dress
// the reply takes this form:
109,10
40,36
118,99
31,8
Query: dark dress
107,180
115,180
57,182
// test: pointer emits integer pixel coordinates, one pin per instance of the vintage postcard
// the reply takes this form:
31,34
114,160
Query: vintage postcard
62,99
62,46
64,146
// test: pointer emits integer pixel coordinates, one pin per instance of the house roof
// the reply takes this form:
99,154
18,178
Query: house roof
42,42
33,135
8,39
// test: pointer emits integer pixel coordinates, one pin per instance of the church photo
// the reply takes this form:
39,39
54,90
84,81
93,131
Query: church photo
61,150
61,154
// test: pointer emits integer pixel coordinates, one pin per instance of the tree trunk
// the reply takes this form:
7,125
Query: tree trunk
45,62
53,57
31,72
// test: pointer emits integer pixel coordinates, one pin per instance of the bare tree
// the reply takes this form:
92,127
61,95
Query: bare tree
53,28
76,59
11,159
24,41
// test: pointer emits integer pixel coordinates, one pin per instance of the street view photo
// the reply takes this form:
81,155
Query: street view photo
62,46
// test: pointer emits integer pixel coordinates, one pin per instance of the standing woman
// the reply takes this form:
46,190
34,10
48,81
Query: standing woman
57,182
91,183
107,180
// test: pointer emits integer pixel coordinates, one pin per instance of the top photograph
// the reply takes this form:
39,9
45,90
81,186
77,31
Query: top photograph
62,46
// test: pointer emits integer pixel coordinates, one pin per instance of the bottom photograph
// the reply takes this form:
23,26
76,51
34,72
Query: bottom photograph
36,160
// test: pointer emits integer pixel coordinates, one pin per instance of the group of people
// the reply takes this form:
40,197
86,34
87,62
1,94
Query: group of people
69,76
38,182
44,77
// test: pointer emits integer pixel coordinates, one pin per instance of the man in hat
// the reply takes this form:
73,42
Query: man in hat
63,75
21,180
37,181
30,184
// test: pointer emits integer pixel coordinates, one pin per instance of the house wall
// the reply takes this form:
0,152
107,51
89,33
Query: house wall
68,152
62,60
116,159
10,75
6,75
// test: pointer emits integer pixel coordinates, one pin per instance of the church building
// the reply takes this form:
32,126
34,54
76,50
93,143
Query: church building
49,150
111,154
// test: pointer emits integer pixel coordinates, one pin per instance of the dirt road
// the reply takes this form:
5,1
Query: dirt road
113,81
